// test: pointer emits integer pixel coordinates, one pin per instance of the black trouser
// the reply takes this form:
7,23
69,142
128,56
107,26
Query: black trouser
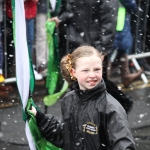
10,46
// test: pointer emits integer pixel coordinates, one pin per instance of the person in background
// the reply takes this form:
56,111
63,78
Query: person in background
41,46
91,118
3,93
123,41
86,22
10,42
30,14
4,89
1,46
30,7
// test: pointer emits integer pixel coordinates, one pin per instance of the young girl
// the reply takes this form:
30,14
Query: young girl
91,118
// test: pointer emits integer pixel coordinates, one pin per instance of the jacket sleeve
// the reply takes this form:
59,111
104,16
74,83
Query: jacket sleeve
108,18
119,133
50,129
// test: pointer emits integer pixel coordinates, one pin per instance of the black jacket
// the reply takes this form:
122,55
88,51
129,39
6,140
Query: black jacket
92,120
91,22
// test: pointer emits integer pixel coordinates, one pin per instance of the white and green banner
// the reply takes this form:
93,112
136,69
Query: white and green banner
25,79
22,61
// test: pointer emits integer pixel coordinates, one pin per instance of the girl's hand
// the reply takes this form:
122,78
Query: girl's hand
33,111
55,19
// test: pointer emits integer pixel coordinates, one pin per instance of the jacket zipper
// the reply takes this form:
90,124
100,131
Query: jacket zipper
77,123
77,117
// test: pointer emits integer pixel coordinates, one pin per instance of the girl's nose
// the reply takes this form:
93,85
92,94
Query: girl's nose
91,74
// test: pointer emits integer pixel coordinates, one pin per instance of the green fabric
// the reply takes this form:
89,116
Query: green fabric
121,18
40,142
53,62
53,70
32,77
50,100
13,14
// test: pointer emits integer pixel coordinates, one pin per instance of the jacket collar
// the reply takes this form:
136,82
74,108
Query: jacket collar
92,94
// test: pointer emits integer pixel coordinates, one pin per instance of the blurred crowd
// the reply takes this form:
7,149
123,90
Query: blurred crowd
132,36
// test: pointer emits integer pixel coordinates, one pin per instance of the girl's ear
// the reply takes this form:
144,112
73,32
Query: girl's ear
73,72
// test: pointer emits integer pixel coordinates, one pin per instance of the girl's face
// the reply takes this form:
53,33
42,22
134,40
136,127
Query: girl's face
88,71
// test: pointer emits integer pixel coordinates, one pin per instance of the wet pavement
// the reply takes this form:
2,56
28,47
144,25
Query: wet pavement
12,127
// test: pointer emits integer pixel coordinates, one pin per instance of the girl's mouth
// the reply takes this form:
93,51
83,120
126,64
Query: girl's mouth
92,83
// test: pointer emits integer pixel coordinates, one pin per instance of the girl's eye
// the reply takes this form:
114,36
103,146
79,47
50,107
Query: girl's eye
98,69
85,70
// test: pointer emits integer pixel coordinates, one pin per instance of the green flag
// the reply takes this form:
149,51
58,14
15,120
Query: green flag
25,79
53,74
